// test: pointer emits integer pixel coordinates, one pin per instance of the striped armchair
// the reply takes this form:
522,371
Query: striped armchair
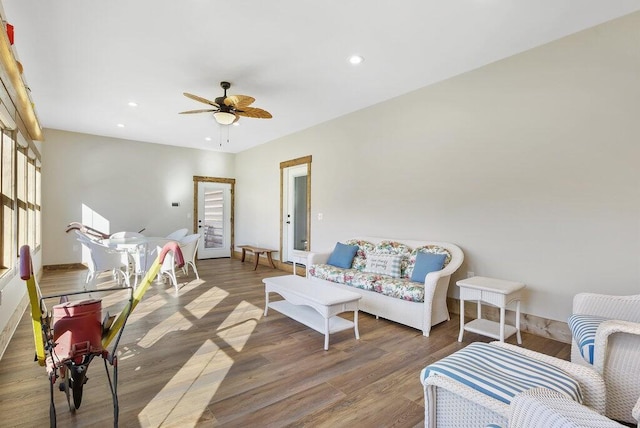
606,333
474,387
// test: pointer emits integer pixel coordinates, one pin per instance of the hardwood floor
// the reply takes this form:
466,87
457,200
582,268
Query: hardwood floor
207,356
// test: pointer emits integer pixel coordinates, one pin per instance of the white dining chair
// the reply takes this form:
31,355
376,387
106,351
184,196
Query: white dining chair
178,234
189,247
168,267
103,259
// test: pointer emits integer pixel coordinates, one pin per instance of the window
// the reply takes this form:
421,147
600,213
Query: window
21,195
7,147
20,183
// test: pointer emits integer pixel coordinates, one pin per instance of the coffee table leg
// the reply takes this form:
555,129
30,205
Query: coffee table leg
355,324
244,253
326,334
266,302
257,256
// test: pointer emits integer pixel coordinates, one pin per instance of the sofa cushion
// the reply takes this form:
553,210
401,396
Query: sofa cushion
362,280
434,249
342,255
364,247
328,272
395,248
425,263
400,288
386,264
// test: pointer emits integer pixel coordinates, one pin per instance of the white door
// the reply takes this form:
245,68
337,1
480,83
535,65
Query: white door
295,210
214,220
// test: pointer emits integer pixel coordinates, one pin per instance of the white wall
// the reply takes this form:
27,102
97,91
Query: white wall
131,184
529,164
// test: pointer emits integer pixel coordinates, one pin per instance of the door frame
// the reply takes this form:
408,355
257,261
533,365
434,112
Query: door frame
231,181
287,164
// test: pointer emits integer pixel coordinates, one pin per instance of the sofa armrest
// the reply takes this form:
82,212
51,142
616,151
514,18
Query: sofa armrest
317,258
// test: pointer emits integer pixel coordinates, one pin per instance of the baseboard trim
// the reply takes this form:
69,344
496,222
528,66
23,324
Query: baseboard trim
68,266
551,329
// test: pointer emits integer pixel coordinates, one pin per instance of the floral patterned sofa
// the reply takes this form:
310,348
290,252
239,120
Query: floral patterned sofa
415,304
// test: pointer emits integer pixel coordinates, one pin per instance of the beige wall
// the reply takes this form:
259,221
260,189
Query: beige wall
129,183
529,164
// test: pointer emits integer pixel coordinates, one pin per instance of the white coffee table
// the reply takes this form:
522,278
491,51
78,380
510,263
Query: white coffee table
313,304
496,292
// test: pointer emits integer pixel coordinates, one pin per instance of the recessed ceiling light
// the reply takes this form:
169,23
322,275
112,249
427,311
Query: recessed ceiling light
132,104
120,125
356,59
207,138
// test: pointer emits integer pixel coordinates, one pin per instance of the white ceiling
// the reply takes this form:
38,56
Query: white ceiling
84,60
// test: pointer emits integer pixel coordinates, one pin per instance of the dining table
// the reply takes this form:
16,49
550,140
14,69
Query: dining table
142,250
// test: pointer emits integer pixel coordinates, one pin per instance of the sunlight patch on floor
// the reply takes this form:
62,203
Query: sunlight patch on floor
146,307
206,302
185,397
238,326
188,285
175,322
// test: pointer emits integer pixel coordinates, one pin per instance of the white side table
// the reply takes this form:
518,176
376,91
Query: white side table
496,292
300,257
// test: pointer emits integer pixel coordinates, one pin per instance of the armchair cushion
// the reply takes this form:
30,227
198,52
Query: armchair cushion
502,373
583,329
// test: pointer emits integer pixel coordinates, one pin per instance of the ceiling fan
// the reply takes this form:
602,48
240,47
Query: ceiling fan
228,109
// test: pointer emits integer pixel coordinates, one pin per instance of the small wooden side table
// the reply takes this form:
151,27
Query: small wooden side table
256,254
496,292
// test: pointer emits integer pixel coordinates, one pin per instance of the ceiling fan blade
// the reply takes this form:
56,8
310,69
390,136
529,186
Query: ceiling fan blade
239,101
197,111
202,100
254,112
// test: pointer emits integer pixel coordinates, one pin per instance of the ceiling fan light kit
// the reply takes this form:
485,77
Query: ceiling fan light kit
224,118
228,109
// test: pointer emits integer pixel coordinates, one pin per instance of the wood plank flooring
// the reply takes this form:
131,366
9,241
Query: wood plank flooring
207,356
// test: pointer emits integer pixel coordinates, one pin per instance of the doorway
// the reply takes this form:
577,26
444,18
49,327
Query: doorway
213,216
295,212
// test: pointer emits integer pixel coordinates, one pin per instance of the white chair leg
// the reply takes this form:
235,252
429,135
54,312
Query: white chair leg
172,276
193,265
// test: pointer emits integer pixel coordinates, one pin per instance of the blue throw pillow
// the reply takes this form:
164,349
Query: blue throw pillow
425,263
342,255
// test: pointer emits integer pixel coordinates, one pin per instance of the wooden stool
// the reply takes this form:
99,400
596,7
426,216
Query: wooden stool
256,254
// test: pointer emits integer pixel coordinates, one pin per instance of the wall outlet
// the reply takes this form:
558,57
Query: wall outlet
470,274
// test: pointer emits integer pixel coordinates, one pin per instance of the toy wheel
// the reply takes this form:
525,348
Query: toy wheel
78,379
